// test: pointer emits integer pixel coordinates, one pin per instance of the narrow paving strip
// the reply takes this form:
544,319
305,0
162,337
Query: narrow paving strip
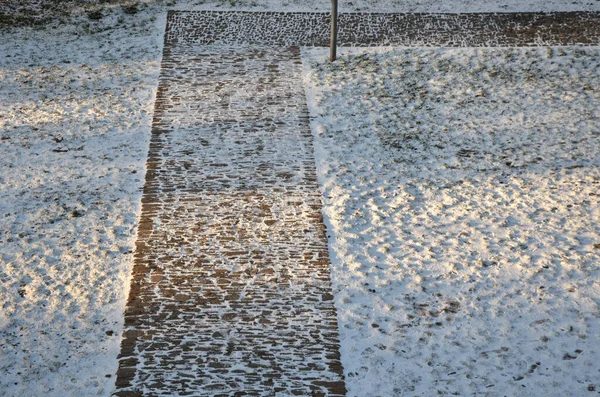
385,29
230,291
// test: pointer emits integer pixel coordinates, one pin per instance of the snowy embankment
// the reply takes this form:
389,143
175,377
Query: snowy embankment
461,191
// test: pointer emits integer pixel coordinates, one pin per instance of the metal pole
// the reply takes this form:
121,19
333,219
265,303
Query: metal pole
334,21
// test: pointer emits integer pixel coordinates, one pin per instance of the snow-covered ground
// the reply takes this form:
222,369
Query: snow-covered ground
76,101
75,114
461,189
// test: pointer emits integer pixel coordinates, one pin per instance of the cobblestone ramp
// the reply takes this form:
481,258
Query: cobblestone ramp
230,292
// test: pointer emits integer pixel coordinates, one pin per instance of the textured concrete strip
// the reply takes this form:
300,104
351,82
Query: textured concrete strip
377,29
230,292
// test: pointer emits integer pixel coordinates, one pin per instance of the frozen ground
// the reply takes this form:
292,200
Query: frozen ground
461,187
75,113
76,101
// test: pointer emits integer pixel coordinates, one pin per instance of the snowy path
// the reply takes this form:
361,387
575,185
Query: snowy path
385,29
231,290
231,286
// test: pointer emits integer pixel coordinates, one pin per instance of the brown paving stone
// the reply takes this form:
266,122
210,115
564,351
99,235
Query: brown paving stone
230,290
377,29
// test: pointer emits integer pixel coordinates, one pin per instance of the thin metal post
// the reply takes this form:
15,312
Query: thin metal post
334,21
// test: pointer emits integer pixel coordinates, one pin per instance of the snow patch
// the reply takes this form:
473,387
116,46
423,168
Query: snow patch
461,198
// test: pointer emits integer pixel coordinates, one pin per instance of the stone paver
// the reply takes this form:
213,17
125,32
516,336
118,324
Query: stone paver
230,292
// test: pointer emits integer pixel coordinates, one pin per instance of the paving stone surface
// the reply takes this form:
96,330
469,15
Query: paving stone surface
230,293
377,29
